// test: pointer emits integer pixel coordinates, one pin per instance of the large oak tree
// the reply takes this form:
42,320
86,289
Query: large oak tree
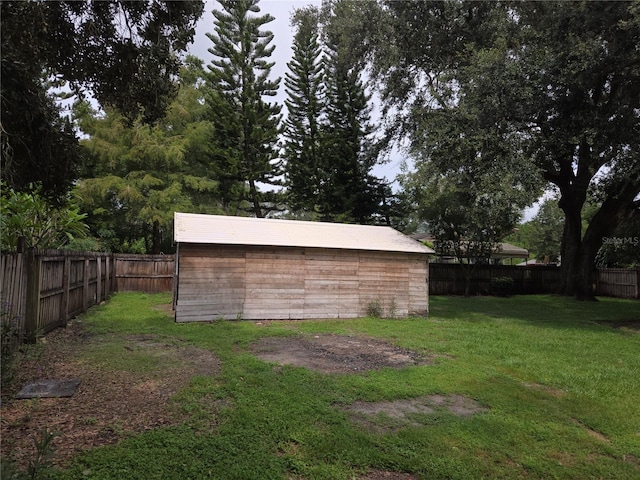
555,85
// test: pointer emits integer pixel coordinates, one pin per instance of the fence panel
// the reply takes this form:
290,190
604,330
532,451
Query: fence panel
13,289
618,282
42,289
451,279
144,273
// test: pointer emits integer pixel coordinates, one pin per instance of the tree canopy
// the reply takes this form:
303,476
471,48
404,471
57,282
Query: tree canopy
136,176
330,149
124,54
549,91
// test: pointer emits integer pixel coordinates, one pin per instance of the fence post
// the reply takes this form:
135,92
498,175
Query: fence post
32,304
64,305
98,279
85,285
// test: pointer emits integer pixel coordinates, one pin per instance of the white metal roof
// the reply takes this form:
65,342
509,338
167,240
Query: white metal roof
217,229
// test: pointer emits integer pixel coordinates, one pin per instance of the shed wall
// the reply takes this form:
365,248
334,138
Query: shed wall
254,283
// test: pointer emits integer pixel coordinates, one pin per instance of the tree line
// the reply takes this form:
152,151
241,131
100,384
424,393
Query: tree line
493,103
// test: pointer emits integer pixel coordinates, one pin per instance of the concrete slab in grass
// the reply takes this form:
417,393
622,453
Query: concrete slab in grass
49,389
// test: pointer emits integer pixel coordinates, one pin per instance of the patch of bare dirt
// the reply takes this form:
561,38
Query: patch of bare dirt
108,405
545,388
336,353
392,415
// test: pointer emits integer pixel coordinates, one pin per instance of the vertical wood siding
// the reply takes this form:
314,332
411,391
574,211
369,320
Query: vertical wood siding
450,279
228,282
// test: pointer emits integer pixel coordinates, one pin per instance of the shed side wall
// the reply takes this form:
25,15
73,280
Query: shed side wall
254,283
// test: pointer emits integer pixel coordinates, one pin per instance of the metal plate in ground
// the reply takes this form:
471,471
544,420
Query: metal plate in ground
49,389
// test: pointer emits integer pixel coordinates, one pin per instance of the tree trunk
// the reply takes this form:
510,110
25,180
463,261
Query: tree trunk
570,249
579,253
156,239
255,200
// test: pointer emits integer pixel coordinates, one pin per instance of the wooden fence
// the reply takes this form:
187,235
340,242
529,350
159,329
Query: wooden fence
450,279
618,282
144,273
41,289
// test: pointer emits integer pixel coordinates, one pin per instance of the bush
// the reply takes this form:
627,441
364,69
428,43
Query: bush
502,286
375,309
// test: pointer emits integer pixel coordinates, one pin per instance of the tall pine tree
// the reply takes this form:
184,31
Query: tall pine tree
329,145
305,105
350,148
239,77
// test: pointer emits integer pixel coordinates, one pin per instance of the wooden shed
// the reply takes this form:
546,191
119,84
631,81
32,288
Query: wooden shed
250,268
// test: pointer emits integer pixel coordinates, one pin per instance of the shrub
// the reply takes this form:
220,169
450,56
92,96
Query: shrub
374,309
502,286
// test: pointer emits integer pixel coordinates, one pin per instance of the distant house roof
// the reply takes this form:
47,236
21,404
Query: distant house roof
504,250
217,229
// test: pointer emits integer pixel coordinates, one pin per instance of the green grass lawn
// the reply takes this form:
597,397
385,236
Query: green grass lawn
559,381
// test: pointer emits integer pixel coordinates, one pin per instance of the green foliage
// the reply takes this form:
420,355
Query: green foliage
329,146
537,90
375,309
247,126
53,44
501,286
542,235
621,249
32,217
550,371
10,340
138,175
37,146
305,105
468,215
40,465
45,453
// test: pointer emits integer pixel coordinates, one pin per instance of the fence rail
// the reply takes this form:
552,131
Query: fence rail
42,289
144,273
618,282
451,279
